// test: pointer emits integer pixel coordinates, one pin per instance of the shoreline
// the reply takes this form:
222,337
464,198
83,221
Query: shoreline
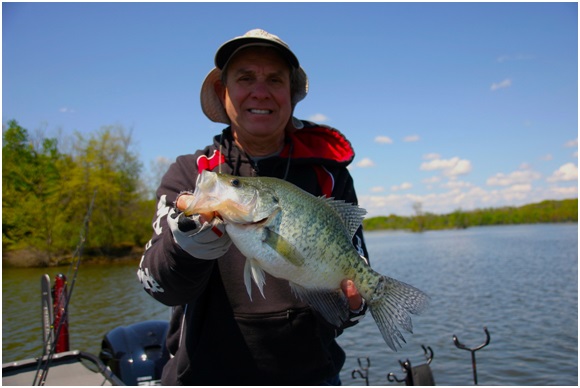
29,258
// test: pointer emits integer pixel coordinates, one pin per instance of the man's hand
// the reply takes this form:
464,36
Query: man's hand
350,291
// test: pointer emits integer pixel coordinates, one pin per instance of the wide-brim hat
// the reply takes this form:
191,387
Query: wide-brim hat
210,102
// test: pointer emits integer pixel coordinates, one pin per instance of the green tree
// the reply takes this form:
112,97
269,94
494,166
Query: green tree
30,190
419,221
106,163
46,193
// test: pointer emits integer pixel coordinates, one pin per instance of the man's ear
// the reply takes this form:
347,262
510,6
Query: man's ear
220,90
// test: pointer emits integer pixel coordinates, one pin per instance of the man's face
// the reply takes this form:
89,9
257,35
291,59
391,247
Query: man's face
257,94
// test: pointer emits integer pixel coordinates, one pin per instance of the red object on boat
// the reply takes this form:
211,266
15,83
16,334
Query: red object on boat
60,298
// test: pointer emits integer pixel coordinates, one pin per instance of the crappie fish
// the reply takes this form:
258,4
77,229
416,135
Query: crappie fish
307,240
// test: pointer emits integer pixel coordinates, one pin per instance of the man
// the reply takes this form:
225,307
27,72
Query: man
217,335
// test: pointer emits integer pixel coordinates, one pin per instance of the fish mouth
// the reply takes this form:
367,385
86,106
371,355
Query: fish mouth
266,220
259,222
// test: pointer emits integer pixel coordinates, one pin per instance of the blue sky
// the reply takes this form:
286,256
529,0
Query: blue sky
453,105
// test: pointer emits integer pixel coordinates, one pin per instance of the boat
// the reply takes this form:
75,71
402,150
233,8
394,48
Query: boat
129,355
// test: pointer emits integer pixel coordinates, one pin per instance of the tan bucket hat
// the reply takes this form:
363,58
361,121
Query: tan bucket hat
210,102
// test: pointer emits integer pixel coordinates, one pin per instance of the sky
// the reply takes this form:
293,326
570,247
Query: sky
447,105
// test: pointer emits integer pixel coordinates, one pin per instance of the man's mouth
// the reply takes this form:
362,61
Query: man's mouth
260,111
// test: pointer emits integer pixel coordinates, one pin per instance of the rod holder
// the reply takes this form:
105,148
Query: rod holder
363,371
459,345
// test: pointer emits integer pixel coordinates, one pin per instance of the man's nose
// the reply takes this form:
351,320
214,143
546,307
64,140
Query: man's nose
260,89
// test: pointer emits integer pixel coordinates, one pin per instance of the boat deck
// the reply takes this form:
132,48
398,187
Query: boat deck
71,368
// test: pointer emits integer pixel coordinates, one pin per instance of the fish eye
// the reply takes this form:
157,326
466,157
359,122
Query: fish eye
235,182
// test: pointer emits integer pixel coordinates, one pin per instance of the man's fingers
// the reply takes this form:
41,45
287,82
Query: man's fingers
351,292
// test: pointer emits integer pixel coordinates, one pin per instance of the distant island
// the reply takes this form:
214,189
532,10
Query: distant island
543,212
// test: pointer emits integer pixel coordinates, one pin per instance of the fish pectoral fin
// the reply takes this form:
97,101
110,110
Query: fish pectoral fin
259,277
332,305
283,247
253,271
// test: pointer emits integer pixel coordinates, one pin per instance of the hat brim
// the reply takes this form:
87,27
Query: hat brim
211,104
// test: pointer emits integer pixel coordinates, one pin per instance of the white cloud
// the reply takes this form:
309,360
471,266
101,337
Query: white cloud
456,184
521,188
563,192
66,109
412,138
365,162
431,156
383,140
518,188
433,179
467,198
572,143
377,189
506,83
439,164
402,186
567,172
318,117
546,157
514,178
451,167
461,168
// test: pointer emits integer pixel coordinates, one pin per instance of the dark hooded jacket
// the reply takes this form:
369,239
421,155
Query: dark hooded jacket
218,336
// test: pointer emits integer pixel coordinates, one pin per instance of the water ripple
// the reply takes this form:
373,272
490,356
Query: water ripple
519,281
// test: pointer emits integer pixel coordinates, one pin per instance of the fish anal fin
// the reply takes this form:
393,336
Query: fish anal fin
332,305
284,248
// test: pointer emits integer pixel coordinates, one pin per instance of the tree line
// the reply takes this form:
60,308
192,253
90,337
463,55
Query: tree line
47,188
542,212
48,184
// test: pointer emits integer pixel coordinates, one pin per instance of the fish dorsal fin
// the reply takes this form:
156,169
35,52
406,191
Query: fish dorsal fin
332,305
253,271
352,216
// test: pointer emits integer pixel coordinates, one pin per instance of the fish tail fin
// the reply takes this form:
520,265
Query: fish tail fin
391,305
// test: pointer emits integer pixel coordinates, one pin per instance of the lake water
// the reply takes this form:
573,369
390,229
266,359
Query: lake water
521,282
